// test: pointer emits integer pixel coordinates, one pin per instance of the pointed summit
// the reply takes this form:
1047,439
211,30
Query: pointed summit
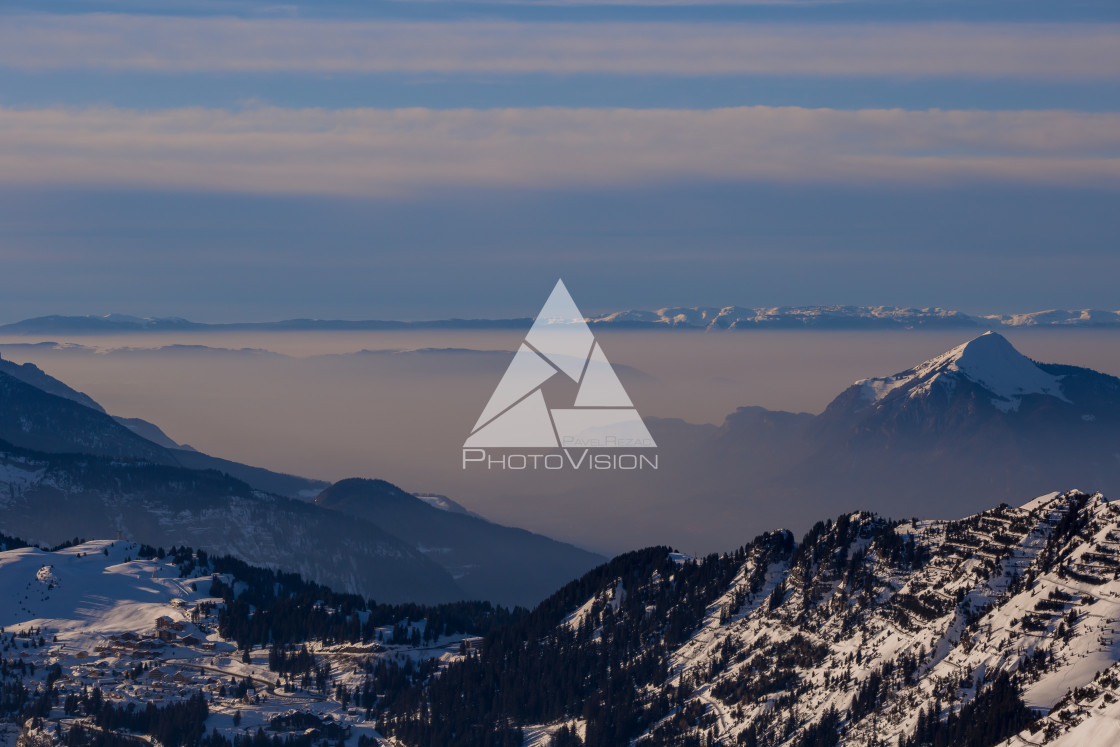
988,360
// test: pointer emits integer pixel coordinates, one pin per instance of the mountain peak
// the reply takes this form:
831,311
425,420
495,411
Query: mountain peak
988,360
358,491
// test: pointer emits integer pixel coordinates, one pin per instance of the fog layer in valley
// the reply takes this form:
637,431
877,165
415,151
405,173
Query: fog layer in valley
398,406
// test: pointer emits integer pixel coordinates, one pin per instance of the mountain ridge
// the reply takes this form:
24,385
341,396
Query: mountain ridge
929,434
55,418
992,629
822,317
42,421
49,498
988,360
488,560
67,469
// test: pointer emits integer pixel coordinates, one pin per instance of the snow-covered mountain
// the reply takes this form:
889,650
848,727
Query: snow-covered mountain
848,317
90,628
50,498
982,388
978,420
443,503
1059,318
989,361
790,317
997,628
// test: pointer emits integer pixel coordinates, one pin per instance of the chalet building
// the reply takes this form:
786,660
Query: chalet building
308,724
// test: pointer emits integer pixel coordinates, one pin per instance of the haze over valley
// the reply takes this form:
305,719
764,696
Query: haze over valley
397,405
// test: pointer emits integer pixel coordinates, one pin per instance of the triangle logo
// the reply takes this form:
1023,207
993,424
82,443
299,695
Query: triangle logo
559,344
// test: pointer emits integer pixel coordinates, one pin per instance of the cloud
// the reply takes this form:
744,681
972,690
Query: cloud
370,152
180,44
646,3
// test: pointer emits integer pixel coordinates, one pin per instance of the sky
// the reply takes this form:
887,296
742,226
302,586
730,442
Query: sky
228,160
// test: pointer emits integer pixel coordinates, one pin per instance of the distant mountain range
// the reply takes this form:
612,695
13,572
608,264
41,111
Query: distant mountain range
68,469
112,323
981,419
692,317
976,425
848,317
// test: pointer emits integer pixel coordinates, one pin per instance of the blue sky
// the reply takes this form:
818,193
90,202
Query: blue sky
235,159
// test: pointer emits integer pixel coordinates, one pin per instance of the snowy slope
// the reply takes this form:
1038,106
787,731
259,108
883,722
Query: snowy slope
869,624
101,618
443,503
89,590
1087,717
47,499
988,360
916,614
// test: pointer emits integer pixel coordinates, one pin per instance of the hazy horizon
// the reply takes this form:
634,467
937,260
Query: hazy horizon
513,317
398,405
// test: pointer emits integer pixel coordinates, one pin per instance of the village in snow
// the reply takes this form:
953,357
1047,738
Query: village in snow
93,616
